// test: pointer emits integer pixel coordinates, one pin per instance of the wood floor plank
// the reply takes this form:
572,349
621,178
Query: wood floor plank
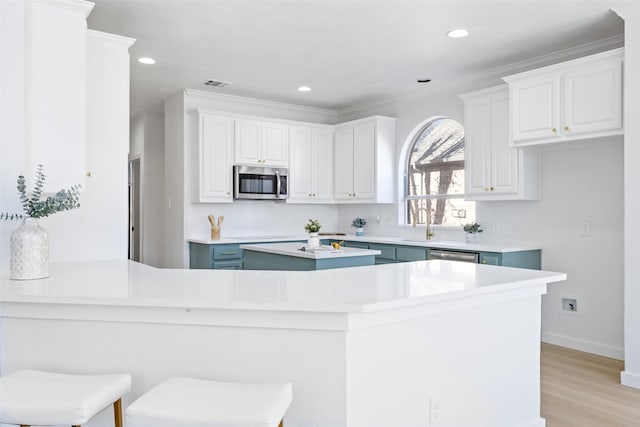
583,390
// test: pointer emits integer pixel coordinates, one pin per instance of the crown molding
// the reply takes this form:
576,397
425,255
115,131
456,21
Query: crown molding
84,7
121,40
257,102
493,76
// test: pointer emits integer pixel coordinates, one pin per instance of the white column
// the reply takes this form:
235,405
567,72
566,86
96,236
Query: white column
631,14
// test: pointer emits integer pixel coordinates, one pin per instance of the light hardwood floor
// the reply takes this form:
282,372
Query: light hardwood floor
584,390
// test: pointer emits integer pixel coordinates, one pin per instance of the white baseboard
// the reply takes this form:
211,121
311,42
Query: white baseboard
630,379
583,345
539,422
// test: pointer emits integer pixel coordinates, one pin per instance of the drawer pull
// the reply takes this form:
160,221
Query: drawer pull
228,253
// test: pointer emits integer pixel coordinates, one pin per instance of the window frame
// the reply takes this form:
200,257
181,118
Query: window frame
403,181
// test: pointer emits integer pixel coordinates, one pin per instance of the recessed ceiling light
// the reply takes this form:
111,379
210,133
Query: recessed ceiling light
457,33
147,61
304,89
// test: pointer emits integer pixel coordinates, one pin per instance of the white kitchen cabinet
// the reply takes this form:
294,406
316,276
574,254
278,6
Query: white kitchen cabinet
493,169
214,158
261,143
310,164
574,100
364,161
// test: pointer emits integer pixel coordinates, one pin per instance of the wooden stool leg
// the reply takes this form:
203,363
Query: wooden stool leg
281,424
117,412
24,425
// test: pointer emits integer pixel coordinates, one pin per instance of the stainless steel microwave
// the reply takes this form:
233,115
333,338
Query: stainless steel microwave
259,183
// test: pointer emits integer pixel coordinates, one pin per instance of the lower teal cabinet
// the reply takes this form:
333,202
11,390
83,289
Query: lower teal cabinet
223,257
387,253
406,254
520,259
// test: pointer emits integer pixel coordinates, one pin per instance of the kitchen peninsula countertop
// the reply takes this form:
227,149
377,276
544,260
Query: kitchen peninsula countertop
499,247
421,327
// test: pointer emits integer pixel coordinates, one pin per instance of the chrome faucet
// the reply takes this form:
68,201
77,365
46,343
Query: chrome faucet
428,232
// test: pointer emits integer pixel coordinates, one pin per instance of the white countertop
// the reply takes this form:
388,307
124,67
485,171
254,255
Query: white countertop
294,249
499,247
347,290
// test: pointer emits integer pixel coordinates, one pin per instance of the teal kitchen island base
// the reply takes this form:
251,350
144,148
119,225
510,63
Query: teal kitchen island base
289,256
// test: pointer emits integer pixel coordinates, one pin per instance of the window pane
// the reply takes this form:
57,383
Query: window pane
436,161
445,211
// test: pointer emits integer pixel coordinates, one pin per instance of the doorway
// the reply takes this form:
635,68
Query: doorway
134,209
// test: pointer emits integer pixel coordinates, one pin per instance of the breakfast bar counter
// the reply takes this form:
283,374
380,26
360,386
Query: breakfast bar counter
363,346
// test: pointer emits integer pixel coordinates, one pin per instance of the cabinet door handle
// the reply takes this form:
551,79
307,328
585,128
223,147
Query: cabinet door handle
486,188
309,194
566,128
492,188
554,130
228,253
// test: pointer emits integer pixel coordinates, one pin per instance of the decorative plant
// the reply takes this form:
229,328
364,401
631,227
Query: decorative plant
472,228
358,222
313,226
63,200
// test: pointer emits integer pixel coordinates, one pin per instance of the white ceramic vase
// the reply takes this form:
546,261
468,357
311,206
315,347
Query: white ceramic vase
29,258
471,237
314,240
359,231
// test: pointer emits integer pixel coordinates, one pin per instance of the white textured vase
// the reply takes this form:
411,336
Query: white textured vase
314,240
471,237
29,251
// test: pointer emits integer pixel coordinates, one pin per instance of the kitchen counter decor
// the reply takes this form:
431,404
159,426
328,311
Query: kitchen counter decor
29,253
359,224
472,231
312,227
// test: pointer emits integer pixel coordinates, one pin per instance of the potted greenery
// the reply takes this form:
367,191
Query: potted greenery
472,230
359,224
29,257
312,227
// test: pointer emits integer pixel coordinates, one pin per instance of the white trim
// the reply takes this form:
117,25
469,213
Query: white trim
258,102
84,7
121,40
630,379
538,422
583,345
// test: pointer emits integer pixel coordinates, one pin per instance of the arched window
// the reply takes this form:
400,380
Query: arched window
434,175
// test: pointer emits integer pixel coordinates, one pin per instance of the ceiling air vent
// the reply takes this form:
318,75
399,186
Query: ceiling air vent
216,83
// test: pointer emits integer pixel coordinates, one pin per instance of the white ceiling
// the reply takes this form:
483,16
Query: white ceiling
349,52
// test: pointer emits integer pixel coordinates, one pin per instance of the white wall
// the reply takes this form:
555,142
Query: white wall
147,144
585,185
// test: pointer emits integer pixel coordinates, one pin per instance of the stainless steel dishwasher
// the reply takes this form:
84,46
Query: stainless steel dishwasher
454,255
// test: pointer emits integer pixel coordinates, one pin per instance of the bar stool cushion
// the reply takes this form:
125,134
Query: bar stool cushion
46,398
189,402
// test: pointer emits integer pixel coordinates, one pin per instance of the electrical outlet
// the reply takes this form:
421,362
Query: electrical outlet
586,229
435,412
570,305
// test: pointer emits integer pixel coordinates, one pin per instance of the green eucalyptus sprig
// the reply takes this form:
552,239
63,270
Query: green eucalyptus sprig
63,200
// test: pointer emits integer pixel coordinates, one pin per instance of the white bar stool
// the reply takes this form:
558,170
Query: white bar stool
37,398
189,402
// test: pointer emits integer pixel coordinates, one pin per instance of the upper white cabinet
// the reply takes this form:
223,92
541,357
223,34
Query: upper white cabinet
261,143
363,154
493,169
310,164
214,158
573,100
